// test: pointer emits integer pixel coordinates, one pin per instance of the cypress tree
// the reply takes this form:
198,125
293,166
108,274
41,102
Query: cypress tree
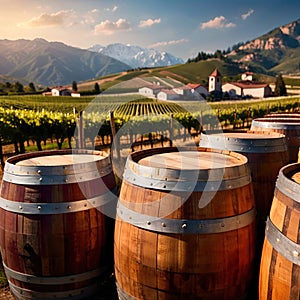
280,89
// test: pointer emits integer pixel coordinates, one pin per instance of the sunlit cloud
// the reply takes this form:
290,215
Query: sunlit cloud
107,27
247,14
149,22
95,10
55,19
167,43
217,23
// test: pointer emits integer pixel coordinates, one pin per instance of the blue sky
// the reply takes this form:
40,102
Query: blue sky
182,28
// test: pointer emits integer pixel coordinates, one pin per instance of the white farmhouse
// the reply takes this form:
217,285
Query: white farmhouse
151,91
200,89
75,94
247,88
60,91
167,95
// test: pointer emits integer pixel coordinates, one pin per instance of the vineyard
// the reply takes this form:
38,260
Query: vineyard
39,119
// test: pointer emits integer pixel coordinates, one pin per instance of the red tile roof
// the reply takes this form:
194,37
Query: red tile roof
249,84
194,85
216,73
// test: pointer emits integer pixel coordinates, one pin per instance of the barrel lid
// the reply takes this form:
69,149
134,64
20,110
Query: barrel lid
296,177
187,169
281,123
250,142
191,160
56,166
59,160
288,181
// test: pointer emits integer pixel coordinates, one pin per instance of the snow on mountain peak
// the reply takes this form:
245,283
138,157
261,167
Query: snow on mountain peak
136,56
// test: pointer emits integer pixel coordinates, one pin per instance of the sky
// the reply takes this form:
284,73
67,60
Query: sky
182,28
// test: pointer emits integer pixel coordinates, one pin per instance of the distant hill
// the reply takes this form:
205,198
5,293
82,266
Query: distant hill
136,56
53,63
277,51
180,74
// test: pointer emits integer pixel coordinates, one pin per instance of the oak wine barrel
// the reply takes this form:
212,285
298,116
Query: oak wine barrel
185,226
280,261
55,242
267,153
290,127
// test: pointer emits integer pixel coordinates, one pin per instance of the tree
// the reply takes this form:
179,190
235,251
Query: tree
280,89
74,86
18,87
97,88
31,87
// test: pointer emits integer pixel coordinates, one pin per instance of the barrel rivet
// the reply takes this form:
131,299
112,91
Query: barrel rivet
20,207
163,225
278,240
148,223
183,226
267,228
69,206
295,253
222,225
39,171
39,207
41,179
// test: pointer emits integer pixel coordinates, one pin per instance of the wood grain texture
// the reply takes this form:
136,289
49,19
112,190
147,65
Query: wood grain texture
55,245
279,277
164,266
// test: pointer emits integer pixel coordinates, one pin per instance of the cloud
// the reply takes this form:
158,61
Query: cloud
149,22
95,10
217,22
44,20
247,14
167,43
115,7
107,27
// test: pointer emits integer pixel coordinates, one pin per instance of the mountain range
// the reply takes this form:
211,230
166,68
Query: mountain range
53,63
136,56
277,51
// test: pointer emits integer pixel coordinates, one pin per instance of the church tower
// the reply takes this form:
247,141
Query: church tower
215,81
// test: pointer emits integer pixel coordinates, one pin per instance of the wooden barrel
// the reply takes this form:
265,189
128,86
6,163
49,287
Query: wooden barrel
290,127
185,226
54,240
280,261
266,152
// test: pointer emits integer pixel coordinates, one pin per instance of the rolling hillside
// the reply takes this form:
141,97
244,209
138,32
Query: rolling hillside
53,63
277,51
